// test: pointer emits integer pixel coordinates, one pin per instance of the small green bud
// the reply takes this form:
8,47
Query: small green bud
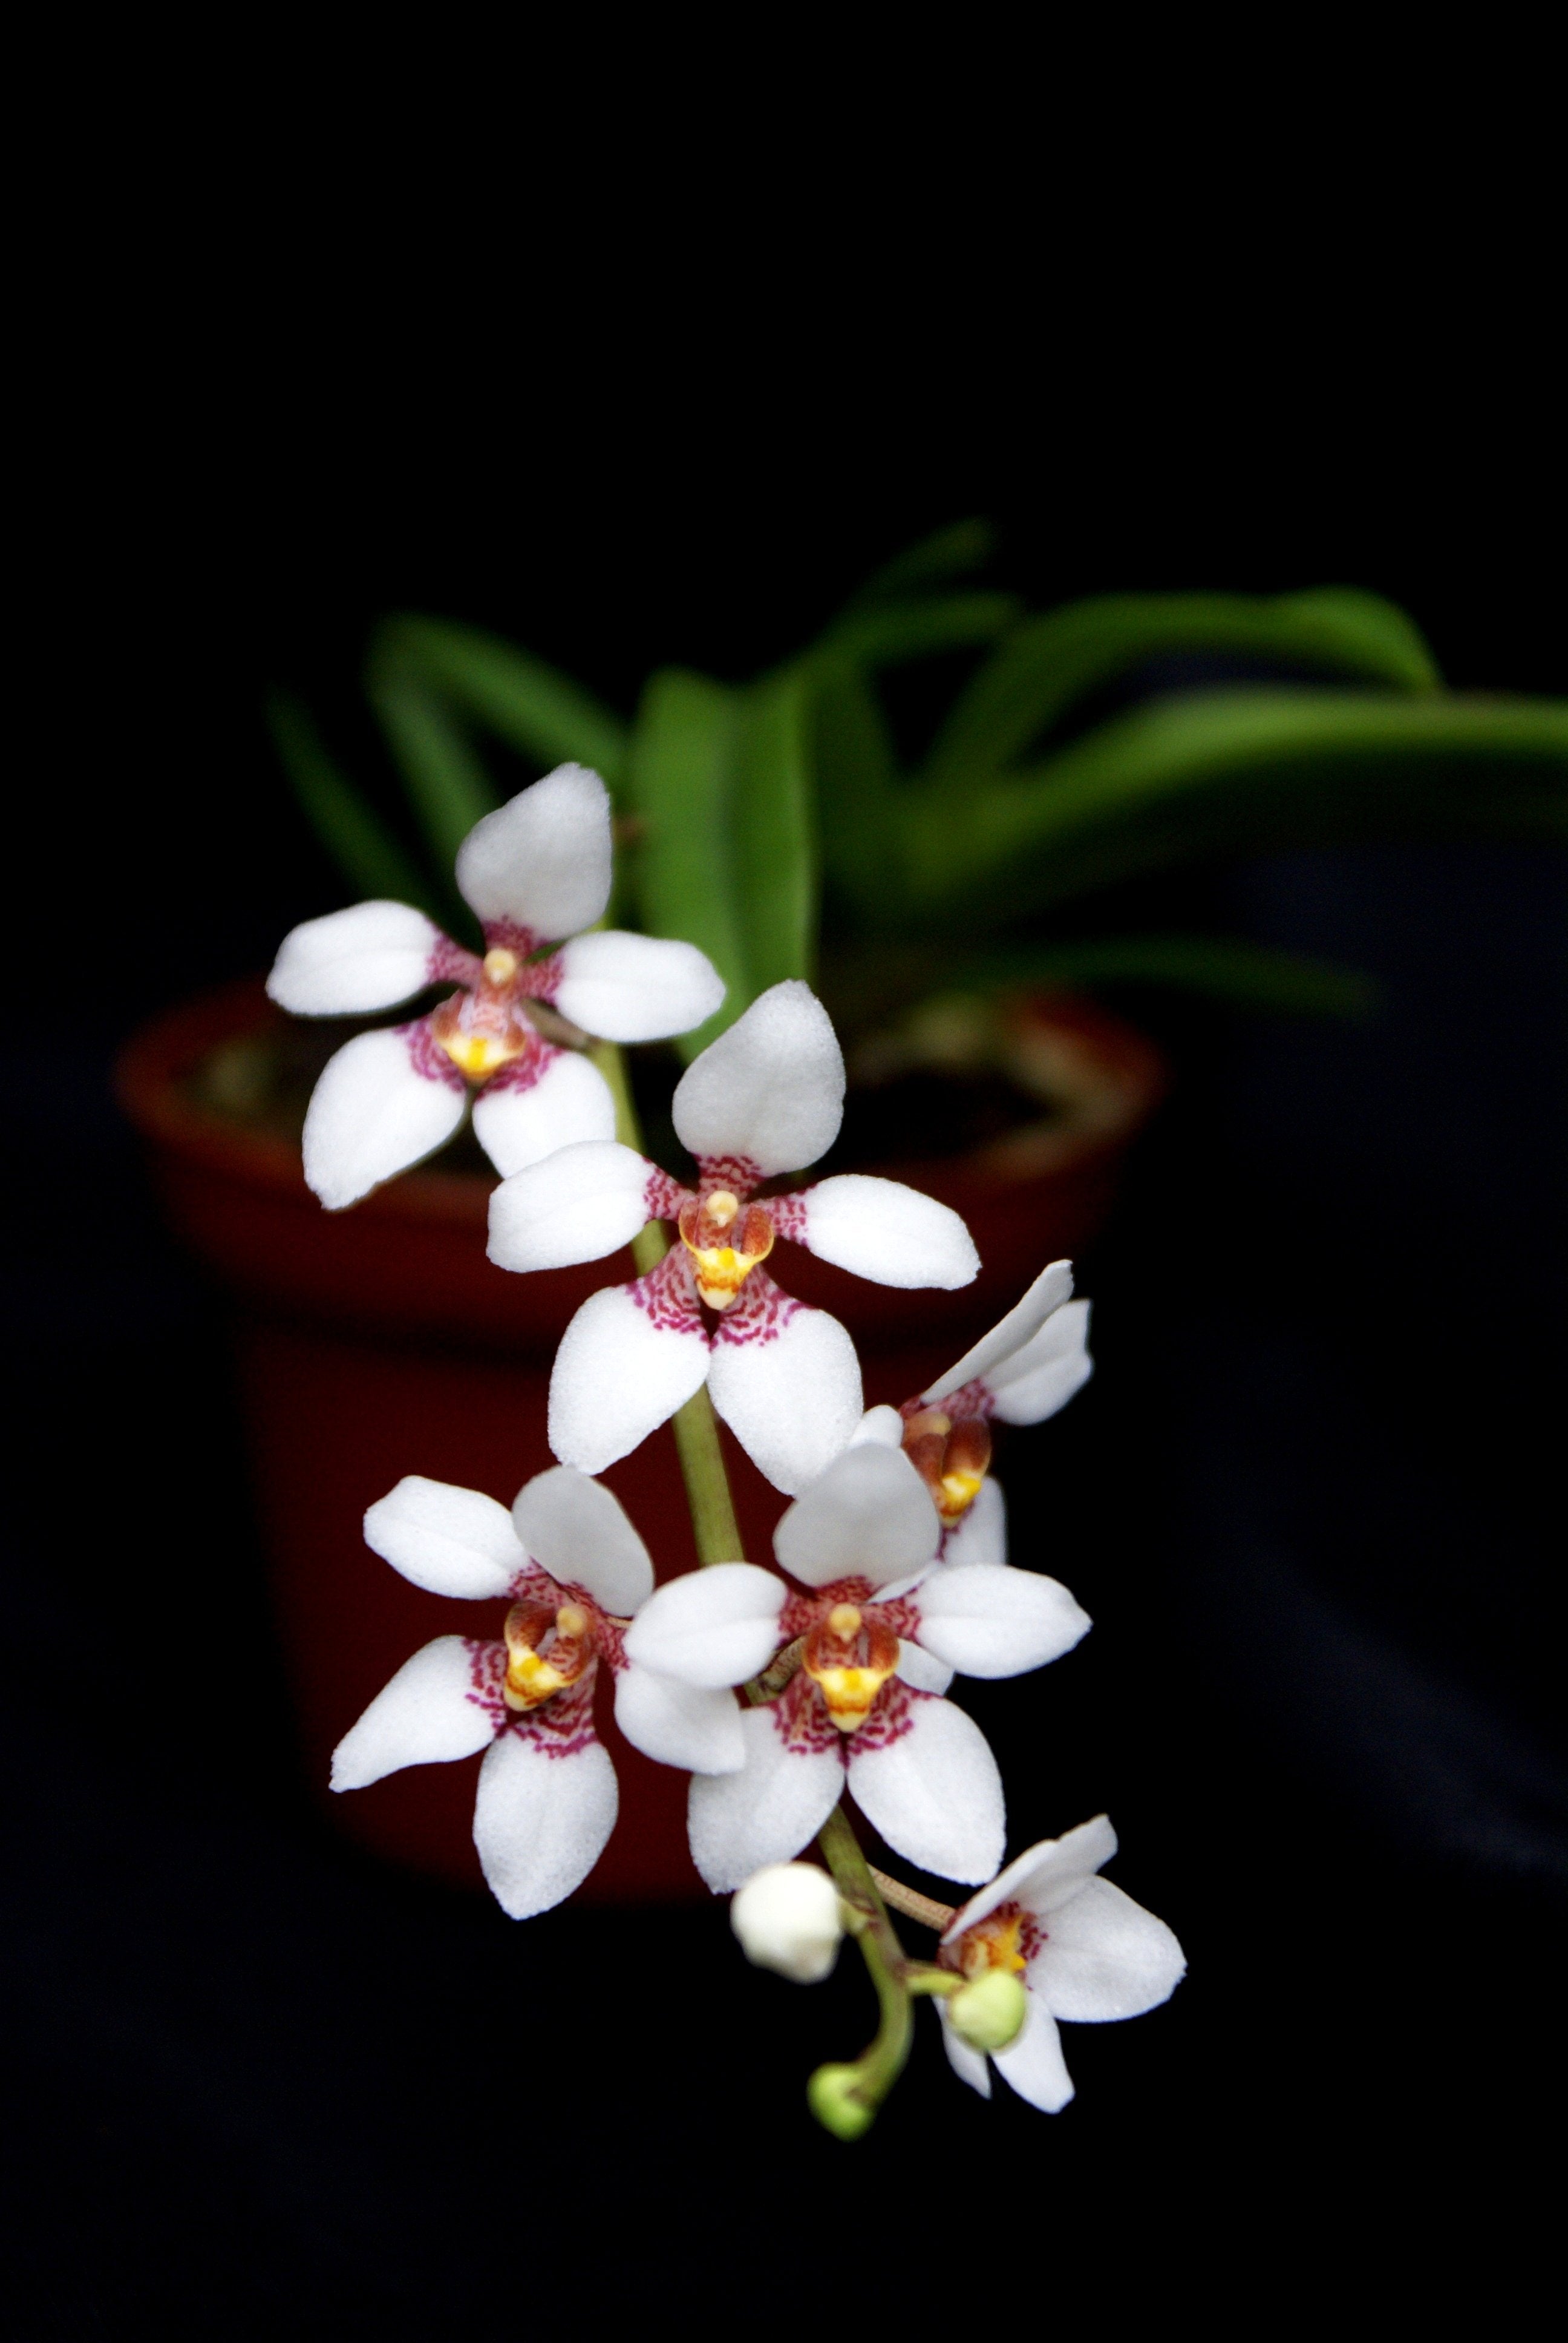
833,2098
988,2012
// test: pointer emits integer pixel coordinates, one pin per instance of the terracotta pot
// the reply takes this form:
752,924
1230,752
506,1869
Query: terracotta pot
381,1341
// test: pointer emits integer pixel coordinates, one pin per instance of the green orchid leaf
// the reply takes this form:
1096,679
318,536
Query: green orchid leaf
1362,634
680,786
772,829
1233,772
448,786
890,633
534,708
857,791
1223,968
952,552
353,835
1049,662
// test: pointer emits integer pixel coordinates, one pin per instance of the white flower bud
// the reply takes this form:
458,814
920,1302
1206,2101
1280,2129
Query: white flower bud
788,1919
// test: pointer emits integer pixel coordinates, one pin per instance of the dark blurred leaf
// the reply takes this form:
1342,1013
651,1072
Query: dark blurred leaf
530,706
773,830
366,852
1049,662
892,632
448,786
1235,770
952,552
680,783
858,797
1221,967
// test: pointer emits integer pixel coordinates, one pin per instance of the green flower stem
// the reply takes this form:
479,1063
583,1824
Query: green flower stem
844,2098
713,1521
920,1976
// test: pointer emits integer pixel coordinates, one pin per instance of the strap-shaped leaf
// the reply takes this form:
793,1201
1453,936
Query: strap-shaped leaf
448,786
950,552
887,634
1231,771
681,784
857,791
1223,968
1047,662
529,705
773,833
358,841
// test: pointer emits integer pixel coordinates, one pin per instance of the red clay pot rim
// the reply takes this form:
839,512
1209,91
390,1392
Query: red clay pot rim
164,1053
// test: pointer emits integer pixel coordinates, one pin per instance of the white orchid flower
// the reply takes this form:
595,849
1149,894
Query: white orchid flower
1082,1950
1027,1368
537,870
574,1571
766,1098
878,1643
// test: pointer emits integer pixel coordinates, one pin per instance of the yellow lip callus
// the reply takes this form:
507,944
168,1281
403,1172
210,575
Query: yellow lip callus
721,1269
848,1692
993,1944
957,1493
530,1680
480,1055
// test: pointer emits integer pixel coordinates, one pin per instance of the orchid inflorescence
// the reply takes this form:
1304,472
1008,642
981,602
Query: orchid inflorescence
780,1692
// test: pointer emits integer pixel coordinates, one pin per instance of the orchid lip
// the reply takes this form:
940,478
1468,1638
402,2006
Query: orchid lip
721,1268
531,1677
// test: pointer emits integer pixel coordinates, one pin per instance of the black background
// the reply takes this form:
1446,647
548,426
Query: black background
1311,1498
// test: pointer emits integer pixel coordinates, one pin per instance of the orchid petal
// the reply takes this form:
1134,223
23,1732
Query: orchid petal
635,988
543,860
559,1100
770,1090
787,1381
765,1814
579,1533
969,2065
882,1426
917,1668
578,1204
932,1790
541,1819
630,1358
1033,2064
376,1111
369,957
1050,1289
869,1516
1104,1958
1044,1877
680,1724
994,1621
430,1715
1043,1377
886,1231
982,1535
449,1540
711,1627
